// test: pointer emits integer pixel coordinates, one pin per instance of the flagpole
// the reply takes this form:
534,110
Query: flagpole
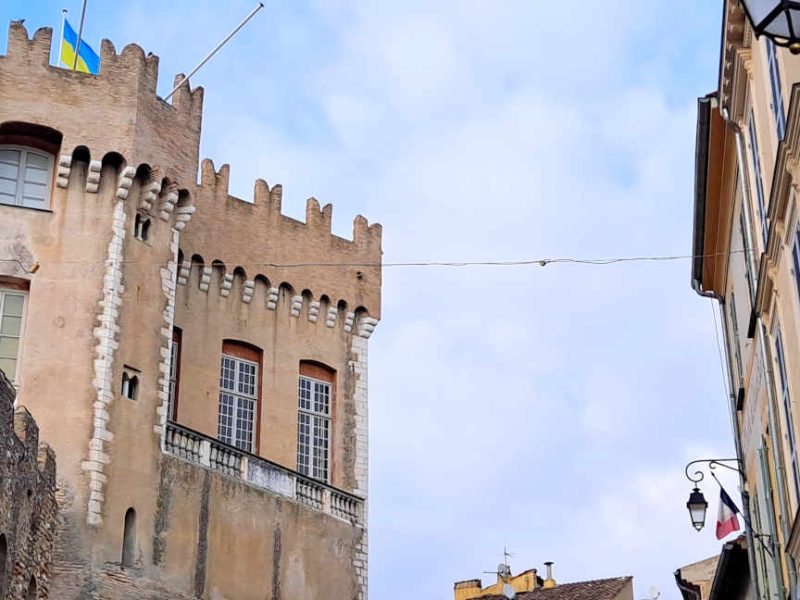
61,42
214,51
80,34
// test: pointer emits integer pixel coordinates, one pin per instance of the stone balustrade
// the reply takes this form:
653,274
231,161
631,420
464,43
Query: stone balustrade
208,452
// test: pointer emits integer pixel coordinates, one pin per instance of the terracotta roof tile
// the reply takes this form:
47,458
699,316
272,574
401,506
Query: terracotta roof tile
600,589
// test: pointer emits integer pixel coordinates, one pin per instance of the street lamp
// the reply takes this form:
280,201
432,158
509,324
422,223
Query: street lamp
779,20
697,506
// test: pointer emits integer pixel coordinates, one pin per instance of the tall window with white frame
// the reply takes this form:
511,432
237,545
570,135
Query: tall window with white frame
238,400
315,399
736,340
775,86
755,162
174,373
748,263
25,176
12,305
780,357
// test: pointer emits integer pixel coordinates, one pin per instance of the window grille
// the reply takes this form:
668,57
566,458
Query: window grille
238,382
314,428
25,177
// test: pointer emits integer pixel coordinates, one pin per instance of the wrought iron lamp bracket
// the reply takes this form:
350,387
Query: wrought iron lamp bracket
712,463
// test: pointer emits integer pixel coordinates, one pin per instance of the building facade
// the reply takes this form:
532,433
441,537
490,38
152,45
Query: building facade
198,362
747,258
722,577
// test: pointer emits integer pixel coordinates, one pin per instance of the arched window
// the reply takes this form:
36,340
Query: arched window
3,564
239,395
130,385
32,591
26,175
314,419
129,539
141,228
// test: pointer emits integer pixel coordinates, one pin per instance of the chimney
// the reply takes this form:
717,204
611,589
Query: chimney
466,590
549,582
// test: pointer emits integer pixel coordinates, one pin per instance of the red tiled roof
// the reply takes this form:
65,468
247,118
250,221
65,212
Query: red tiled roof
599,589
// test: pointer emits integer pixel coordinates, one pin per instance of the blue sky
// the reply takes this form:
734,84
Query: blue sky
550,409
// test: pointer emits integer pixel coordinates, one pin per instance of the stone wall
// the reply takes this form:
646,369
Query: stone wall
27,502
217,537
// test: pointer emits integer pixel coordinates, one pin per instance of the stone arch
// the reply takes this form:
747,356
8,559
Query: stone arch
81,154
111,167
218,273
260,290
113,160
184,198
341,306
239,277
285,295
308,298
31,135
196,270
324,306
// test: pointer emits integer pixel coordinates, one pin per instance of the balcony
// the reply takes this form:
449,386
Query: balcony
208,452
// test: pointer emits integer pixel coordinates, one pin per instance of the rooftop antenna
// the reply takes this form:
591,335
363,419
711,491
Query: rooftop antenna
215,50
655,593
504,574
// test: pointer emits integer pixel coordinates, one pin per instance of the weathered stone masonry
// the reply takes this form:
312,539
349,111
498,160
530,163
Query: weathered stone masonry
27,502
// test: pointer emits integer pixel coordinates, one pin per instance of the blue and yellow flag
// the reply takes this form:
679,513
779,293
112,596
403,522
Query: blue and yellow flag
88,61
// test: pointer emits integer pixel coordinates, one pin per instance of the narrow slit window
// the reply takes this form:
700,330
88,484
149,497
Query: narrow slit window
141,228
130,385
174,373
129,539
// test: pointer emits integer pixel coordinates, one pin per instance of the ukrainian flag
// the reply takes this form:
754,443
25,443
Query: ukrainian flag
88,61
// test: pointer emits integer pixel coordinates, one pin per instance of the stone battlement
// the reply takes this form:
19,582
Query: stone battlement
280,249
27,501
117,110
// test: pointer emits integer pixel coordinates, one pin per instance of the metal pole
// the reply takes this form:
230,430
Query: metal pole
80,33
61,41
214,51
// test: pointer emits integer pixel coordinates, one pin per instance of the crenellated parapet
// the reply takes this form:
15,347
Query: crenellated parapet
115,111
145,187
320,276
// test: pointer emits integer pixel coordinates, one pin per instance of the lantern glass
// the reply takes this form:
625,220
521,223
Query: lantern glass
779,20
697,506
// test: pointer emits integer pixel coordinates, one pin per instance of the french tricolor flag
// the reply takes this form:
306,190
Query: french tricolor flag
727,521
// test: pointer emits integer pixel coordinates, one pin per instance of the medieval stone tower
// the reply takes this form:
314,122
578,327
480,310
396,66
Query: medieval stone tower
197,362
